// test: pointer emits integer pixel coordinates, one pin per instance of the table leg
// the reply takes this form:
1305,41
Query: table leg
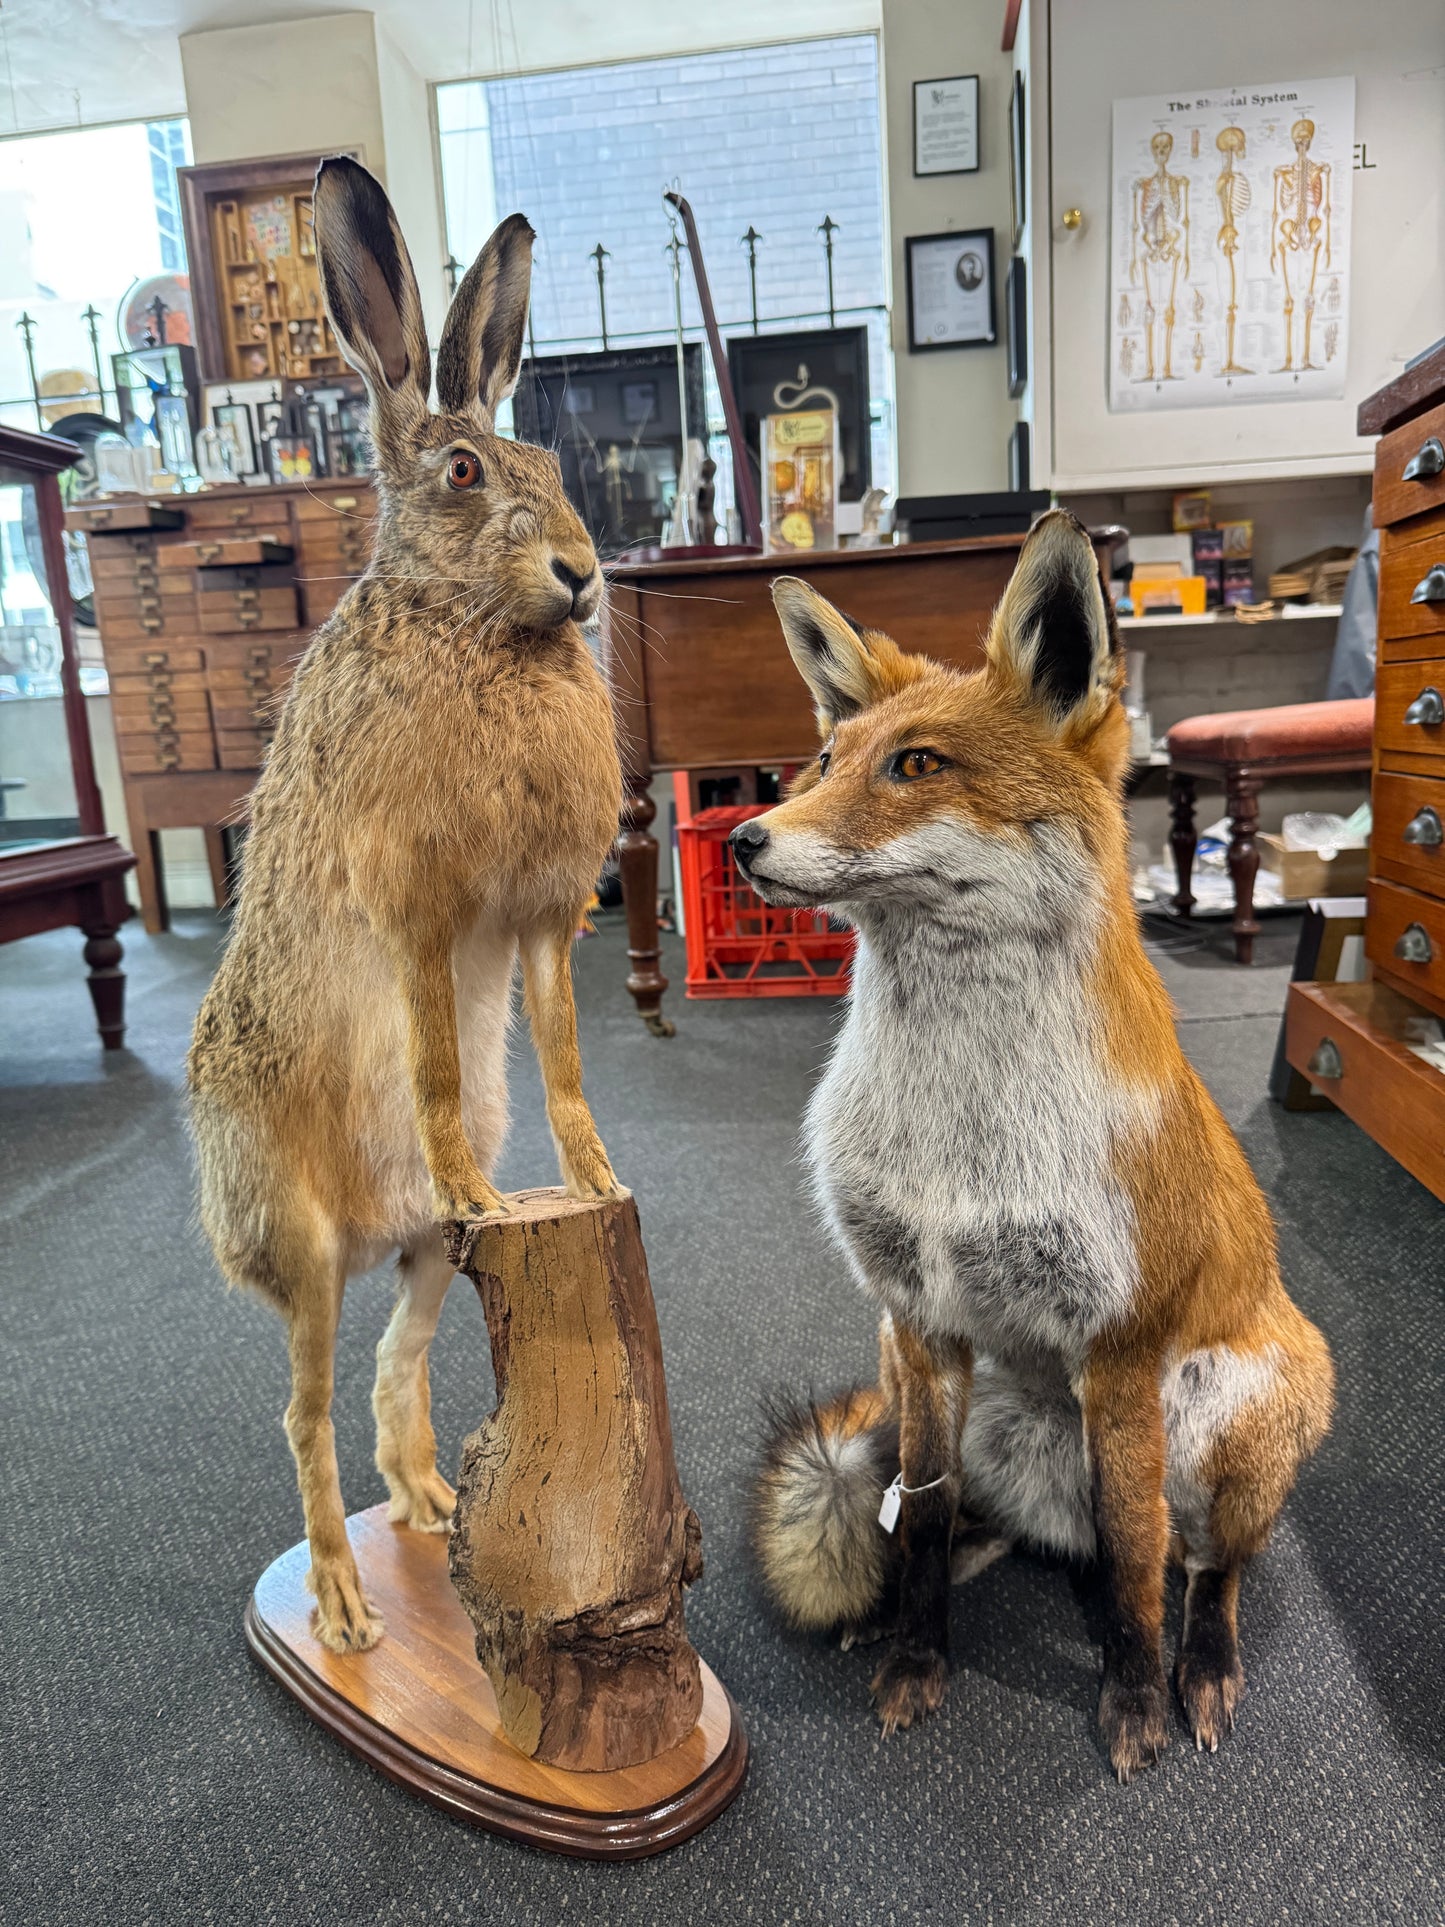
1241,796
106,979
637,862
1182,837
219,860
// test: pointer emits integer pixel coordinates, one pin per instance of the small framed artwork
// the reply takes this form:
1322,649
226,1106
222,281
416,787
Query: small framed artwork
945,125
1017,155
950,290
1016,311
233,423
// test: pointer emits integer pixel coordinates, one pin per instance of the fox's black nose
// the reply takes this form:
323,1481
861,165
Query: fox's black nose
749,840
573,583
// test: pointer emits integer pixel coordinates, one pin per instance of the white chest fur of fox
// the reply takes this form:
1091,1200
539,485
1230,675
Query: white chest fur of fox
961,1142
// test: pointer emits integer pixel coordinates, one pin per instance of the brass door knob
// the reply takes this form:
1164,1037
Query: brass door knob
1326,1061
1413,945
1427,462
1073,218
1424,829
1428,708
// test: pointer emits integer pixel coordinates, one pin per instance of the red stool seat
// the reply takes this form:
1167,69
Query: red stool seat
1244,748
1296,731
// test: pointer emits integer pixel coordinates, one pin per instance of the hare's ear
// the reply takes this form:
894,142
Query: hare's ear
371,291
846,667
1053,635
480,355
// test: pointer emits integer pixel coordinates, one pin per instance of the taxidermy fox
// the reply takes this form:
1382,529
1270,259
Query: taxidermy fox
1086,1346
441,793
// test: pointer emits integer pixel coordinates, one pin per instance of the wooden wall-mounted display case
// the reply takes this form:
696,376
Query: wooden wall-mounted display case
255,279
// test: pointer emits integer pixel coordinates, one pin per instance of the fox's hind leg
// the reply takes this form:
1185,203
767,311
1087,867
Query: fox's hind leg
406,1447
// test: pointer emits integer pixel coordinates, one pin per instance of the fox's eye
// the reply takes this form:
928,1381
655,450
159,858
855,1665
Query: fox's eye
910,764
464,470
825,756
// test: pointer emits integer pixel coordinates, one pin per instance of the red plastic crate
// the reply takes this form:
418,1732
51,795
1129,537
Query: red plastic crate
739,946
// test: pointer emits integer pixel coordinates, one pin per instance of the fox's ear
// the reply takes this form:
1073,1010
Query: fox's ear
1054,632
847,668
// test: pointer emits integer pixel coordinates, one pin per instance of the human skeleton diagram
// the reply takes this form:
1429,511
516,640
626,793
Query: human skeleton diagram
1232,187
1159,244
1299,226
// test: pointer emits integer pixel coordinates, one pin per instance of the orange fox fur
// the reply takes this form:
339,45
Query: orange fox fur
1085,1335
441,793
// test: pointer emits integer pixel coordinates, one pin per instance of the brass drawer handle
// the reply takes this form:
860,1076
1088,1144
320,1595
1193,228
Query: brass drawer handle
1414,945
207,551
157,659
151,624
1431,586
1426,463
241,513
1428,707
1424,829
1326,1062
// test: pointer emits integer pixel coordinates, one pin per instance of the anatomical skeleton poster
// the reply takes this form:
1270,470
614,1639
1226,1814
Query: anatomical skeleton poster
1229,249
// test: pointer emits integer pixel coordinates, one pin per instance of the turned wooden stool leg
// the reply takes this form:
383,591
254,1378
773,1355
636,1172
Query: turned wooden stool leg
1182,837
1241,796
637,862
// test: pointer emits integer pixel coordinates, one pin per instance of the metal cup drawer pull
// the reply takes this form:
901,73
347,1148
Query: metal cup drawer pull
1428,707
1326,1061
1424,829
1431,586
1426,463
1414,946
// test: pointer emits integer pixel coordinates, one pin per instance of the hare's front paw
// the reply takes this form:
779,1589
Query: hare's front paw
468,1196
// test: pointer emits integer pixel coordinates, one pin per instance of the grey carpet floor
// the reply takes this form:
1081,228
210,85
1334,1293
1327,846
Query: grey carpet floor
153,1774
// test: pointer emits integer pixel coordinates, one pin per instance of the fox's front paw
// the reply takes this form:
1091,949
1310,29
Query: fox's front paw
470,1197
1211,1685
346,1621
908,1686
586,1172
1134,1719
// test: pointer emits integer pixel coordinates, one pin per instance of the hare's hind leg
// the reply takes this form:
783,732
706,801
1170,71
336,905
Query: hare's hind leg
406,1447
347,1622
547,986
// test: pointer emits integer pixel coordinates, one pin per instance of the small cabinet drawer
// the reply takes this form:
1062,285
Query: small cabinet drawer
123,517
1411,570
354,500
165,749
156,609
1410,469
242,748
225,611
1407,842
261,550
1405,938
1351,1042
152,659
1410,711
260,510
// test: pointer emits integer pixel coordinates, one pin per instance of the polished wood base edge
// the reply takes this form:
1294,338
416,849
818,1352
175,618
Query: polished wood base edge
632,1835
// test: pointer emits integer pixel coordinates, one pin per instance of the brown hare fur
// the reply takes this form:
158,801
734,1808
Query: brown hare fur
441,793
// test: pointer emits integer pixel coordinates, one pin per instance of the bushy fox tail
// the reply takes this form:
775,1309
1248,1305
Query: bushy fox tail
825,1559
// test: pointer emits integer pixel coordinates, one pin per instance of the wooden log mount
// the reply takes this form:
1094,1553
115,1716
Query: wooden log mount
572,1541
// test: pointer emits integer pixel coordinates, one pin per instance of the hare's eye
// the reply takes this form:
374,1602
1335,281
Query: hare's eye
464,470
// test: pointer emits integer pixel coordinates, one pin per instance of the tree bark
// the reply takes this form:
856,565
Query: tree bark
573,1541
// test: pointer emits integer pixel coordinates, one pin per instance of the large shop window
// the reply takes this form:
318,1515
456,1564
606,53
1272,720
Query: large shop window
775,139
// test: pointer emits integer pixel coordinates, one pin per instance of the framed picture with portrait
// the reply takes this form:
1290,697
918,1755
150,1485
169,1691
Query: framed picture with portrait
950,290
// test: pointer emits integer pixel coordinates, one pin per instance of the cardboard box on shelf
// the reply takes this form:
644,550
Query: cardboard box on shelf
1308,873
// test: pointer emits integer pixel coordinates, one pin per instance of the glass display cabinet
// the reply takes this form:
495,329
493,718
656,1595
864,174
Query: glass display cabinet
58,867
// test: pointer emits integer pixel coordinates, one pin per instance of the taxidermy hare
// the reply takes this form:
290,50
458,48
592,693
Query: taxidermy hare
441,793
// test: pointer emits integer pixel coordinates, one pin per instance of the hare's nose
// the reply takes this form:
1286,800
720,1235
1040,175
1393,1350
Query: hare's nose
575,585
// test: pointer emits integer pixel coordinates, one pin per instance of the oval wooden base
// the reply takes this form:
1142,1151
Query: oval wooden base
420,1709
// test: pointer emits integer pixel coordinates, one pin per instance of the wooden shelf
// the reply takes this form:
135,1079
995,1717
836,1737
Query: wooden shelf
1217,619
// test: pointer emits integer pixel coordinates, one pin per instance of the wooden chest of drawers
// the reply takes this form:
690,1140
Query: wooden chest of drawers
205,604
1353,1040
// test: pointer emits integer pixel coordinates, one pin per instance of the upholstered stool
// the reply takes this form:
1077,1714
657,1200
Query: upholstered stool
1244,749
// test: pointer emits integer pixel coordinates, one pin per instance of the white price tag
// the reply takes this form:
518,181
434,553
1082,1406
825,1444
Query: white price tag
892,1505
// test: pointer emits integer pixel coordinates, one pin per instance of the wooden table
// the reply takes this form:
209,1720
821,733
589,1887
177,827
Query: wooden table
702,679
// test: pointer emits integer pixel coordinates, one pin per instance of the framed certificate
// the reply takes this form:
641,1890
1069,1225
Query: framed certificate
950,290
945,125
